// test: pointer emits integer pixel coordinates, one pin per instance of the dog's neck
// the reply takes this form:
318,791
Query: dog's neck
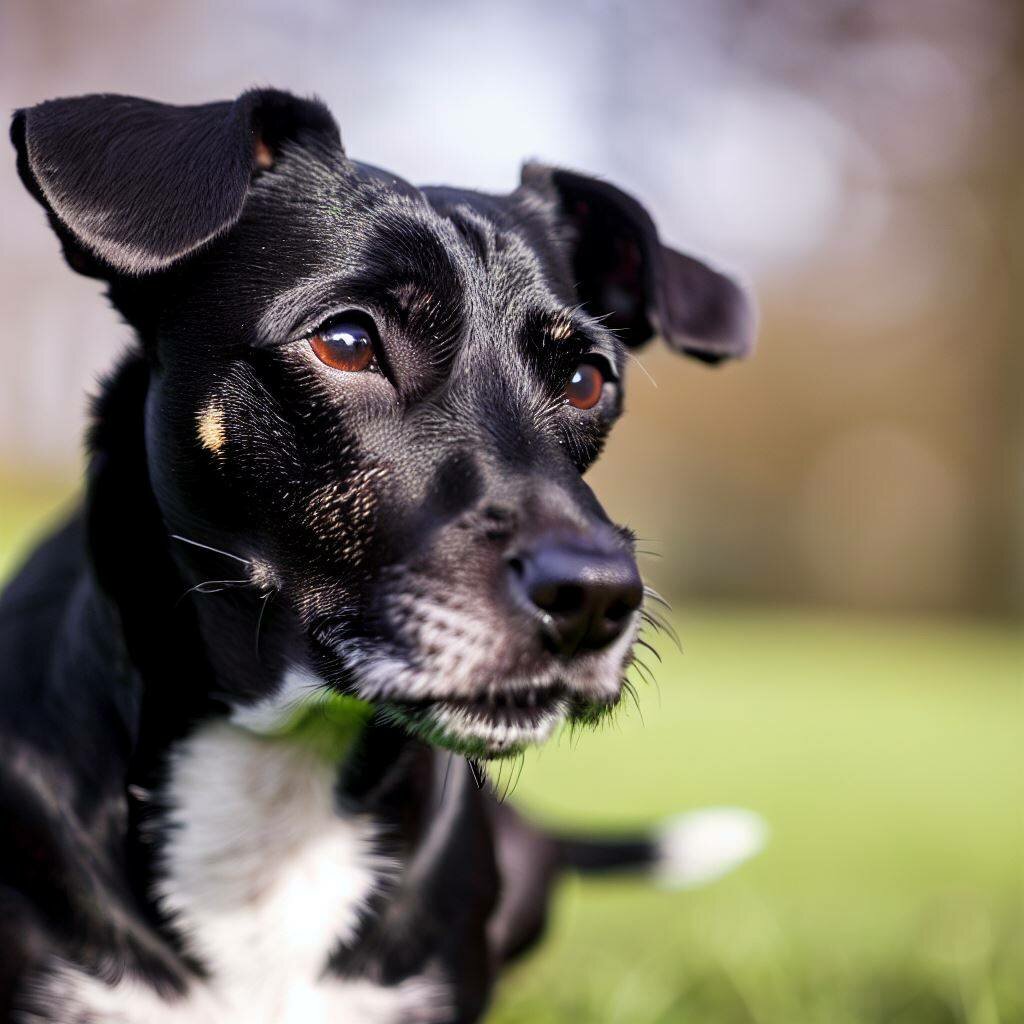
185,669
320,719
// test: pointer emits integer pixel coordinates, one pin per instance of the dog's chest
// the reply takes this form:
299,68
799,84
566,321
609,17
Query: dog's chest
264,878
259,869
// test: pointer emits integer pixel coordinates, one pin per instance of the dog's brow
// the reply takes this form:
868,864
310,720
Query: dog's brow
287,309
435,312
560,327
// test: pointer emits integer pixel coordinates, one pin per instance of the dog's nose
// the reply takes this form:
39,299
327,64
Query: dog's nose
585,595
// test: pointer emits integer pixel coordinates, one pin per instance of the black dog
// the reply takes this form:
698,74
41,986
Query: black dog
335,548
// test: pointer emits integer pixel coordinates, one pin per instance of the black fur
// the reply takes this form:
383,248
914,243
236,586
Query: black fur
226,234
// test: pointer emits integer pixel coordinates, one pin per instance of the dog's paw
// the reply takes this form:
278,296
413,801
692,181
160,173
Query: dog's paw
700,846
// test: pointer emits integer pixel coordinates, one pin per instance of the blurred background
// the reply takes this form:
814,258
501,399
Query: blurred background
839,522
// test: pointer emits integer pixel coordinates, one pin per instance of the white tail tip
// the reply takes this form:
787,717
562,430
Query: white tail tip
700,846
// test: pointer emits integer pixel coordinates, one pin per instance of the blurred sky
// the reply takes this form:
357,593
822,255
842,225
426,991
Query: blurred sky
860,163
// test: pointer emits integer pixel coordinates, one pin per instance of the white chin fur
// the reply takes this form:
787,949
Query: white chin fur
700,846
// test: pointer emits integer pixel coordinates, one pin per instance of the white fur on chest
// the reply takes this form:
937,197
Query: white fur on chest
260,871
264,877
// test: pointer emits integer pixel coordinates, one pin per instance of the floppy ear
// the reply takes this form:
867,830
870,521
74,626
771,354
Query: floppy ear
623,273
132,186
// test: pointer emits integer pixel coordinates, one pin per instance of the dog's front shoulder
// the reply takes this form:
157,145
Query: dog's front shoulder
263,875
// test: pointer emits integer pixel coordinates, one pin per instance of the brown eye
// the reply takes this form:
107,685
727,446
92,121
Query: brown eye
343,345
585,389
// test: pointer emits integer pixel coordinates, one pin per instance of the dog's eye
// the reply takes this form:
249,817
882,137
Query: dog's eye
585,388
344,344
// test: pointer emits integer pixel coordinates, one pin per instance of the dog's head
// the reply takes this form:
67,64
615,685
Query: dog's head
379,400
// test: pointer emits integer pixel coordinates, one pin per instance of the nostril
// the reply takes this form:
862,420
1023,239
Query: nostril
558,598
585,593
619,610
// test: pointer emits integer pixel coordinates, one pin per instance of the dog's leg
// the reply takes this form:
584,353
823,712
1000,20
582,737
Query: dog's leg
529,862
686,851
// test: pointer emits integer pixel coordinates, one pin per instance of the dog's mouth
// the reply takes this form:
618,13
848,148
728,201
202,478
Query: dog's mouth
494,723
446,680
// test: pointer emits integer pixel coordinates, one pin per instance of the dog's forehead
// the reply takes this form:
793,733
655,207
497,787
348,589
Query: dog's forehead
444,262
370,173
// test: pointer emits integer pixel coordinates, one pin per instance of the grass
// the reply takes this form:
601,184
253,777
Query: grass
888,759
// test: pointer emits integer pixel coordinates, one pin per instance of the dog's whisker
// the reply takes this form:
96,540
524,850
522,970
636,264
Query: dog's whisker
650,592
520,762
259,618
644,668
478,773
508,782
649,647
630,689
649,619
646,676
668,633
656,618
209,547
444,784
643,369
661,625
212,587
657,622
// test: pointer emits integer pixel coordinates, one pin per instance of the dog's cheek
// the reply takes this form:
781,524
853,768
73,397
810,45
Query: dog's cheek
243,440
341,516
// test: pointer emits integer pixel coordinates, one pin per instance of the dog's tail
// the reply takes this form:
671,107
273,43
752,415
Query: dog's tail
686,851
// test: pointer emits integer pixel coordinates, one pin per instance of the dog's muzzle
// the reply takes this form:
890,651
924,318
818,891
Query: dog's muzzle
491,677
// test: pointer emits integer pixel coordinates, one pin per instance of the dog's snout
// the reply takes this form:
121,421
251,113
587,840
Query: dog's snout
584,595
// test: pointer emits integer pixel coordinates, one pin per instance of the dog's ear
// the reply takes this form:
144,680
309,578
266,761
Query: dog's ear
132,186
624,274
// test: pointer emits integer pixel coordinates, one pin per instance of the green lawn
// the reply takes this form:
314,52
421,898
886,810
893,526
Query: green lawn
888,759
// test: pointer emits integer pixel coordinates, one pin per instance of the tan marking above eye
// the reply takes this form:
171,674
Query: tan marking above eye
262,154
561,330
210,428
